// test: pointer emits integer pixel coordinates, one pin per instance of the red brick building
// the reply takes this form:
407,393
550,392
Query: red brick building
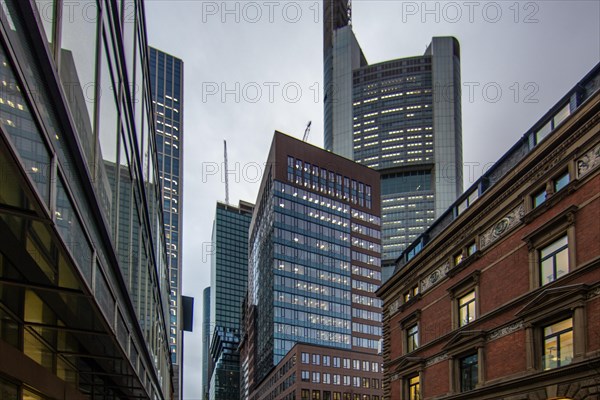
500,298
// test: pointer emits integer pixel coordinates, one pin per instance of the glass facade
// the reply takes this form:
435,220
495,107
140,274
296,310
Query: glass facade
401,117
83,267
418,151
228,287
166,78
314,261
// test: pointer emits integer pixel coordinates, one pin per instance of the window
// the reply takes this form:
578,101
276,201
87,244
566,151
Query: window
365,366
561,181
366,382
316,395
356,381
316,359
412,338
458,258
554,260
305,376
316,377
466,308
375,383
305,394
336,362
305,358
375,366
346,380
468,372
414,388
326,395
558,344
356,364
539,198
326,361
347,363
336,379
326,378
471,249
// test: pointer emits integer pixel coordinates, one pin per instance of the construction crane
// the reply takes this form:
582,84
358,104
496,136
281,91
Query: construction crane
306,131
225,171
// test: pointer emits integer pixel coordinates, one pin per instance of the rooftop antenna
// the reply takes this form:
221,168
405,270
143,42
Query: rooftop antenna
226,172
306,131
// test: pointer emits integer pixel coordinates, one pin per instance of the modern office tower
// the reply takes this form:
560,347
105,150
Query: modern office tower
507,278
229,283
83,264
206,332
401,117
166,79
313,323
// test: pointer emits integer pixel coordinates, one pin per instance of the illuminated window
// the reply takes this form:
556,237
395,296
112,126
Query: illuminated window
558,344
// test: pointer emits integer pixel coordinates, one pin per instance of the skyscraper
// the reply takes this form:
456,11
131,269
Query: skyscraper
166,78
229,272
83,266
314,264
401,117
206,332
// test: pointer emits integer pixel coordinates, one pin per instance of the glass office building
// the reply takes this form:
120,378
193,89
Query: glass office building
228,285
314,259
401,117
83,262
166,81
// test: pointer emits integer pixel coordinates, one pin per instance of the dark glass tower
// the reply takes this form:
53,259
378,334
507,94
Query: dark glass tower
166,77
401,117
228,287
84,285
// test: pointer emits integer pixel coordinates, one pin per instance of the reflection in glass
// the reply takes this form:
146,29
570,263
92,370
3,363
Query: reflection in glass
78,67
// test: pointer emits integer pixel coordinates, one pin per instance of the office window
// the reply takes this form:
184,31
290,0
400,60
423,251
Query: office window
337,379
356,381
414,388
468,372
326,395
316,359
375,366
554,260
346,380
347,363
412,338
365,366
316,377
316,395
305,376
326,378
305,394
305,358
336,362
558,344
356,364
326,361
366,383
466,308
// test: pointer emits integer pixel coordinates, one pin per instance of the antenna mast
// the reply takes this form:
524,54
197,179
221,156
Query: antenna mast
226,172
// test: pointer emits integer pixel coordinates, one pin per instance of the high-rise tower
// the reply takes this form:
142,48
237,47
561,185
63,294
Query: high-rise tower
401,117
166,78
84,285
314,264
229,272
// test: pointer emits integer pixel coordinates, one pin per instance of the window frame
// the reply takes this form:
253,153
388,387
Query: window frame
458,291
460,369
557,336
561,225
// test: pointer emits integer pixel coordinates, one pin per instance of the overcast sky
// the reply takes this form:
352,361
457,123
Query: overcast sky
254,67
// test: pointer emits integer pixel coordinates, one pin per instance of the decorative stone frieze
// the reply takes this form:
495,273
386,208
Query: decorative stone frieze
502,226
